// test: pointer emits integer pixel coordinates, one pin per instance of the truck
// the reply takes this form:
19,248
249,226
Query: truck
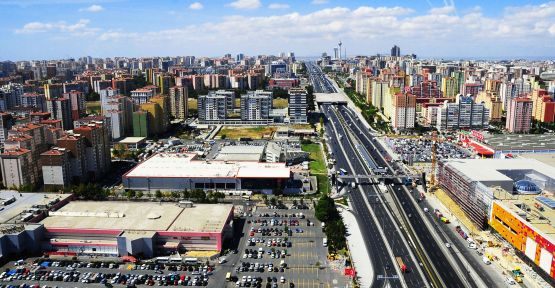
401,264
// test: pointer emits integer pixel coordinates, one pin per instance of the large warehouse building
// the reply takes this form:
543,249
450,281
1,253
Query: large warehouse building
176,172
515,197
469,181
143,229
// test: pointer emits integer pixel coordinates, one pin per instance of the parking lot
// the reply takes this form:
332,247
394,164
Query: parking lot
284,248
420,150
106,274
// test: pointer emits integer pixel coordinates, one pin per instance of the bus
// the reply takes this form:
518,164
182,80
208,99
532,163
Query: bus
190,261
401,264
228,276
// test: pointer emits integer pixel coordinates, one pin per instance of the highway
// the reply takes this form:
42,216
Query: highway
438,259
384,238
318,79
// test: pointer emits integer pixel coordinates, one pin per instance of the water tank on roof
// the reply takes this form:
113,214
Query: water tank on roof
526,187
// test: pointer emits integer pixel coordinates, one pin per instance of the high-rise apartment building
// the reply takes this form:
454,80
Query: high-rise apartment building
34,100
519,115
298,106
56,167
60,109
179,97
76,147
465,114
6,123
449,87
543,106
10,96
78,103
140,124
212,107
97,147
256,105
18,168
403,111
142,95
379,93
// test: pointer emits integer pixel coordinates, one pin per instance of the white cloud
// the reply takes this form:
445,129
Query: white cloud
278,6
93,8
196,6
389,24
443,10
245,4
319,2
80,28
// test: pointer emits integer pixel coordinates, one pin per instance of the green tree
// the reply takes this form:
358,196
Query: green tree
140,194
326,210
130,193
158,194
185,193
175,194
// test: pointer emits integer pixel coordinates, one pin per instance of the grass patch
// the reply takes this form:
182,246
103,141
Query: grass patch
280,103
323,183
317,164
257,132
93,107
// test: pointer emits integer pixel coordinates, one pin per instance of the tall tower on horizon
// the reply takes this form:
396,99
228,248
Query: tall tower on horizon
339,44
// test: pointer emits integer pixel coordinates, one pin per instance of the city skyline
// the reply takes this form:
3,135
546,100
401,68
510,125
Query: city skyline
435,29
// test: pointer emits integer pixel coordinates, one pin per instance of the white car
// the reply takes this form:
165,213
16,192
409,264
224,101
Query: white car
447,245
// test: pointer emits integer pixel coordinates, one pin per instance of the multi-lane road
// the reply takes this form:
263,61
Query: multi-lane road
404,234
384,241
318,79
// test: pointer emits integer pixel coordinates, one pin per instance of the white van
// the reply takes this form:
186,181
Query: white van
325,242
486,260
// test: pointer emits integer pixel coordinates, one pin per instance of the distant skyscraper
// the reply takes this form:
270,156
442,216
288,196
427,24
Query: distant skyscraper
240,57
395,51
335,53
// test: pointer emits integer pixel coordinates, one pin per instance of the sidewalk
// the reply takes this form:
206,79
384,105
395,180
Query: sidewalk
357,246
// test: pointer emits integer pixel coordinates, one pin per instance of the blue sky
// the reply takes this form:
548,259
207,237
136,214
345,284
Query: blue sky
52,29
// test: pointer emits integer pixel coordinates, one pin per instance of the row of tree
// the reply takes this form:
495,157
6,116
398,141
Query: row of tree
335,228
197,195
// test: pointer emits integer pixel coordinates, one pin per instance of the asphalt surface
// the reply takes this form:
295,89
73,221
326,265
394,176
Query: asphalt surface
381,260
444,269
318,79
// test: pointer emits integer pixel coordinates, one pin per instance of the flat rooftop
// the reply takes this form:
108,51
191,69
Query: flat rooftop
240,153
183,165
488,169
132,140
539,218
139,216
527,142
12,212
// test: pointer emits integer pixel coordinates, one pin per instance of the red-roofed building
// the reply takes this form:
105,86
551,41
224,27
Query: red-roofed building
56,167
18,168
